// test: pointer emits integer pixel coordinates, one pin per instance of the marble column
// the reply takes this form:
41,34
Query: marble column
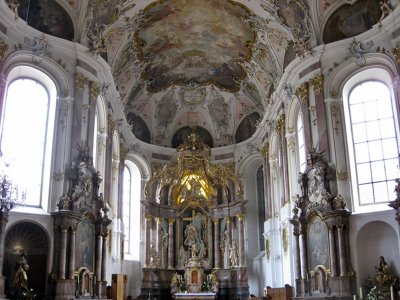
332,250
228,239
72,253
217,251
99,251
171,239
303,250
63,253
342,251
147,241
159,239
267,182
103,258
210,240
297,259
241,240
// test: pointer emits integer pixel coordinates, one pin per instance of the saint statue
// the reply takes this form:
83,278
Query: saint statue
233,255
21,276
382,272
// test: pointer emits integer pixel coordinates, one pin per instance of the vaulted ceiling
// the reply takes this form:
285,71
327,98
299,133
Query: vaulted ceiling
213,64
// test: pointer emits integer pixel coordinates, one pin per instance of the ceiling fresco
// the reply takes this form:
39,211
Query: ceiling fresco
211,64
185,41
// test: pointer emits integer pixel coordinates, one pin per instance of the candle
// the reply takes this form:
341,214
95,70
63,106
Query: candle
391,293
361,292
354,297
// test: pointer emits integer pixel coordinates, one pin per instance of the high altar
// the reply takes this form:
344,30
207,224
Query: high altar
194,214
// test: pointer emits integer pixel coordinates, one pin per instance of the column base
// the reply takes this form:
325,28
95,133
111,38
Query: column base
65,289
2,286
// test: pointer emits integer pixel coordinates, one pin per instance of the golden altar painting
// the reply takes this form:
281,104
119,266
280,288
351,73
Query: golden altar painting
187,41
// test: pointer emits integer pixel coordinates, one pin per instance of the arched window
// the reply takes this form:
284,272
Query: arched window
131,210
27,134
372,140
301,146
261,206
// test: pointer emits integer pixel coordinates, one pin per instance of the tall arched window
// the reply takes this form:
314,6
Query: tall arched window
372,139
261,206
27,134
301,146
131,210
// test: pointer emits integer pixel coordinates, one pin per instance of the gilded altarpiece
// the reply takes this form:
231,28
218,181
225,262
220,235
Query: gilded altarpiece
321,235
194,213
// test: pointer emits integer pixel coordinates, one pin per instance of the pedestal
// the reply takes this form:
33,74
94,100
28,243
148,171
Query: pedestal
65,289
118,286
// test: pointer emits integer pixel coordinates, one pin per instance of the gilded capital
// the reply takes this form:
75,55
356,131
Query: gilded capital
240,217
111,124
265,150
302,92
80,82
317,83
3,48
123,151
94,90
396,53
280,125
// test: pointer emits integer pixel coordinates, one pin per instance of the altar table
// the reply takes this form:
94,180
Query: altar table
195,296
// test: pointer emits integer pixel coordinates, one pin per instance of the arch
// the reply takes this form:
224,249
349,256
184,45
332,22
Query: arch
52,69
374,239
33,240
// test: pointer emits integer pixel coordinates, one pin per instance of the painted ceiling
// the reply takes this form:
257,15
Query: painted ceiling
212,64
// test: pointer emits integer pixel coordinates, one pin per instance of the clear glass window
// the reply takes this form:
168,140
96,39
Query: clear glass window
375,143
26,125
131,211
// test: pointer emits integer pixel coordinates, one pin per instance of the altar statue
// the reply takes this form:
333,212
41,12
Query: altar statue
194,236
21,276
233,255
382,272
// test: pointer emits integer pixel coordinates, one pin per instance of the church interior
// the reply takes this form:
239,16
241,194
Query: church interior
200,149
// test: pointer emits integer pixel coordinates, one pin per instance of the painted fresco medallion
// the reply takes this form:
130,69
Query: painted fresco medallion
186,41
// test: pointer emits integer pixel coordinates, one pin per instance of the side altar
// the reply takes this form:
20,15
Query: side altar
194,214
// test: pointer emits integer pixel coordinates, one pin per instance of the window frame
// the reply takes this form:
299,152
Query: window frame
375,74
23,72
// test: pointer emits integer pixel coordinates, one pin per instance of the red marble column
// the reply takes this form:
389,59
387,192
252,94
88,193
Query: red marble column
171,239
72,253
63,253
